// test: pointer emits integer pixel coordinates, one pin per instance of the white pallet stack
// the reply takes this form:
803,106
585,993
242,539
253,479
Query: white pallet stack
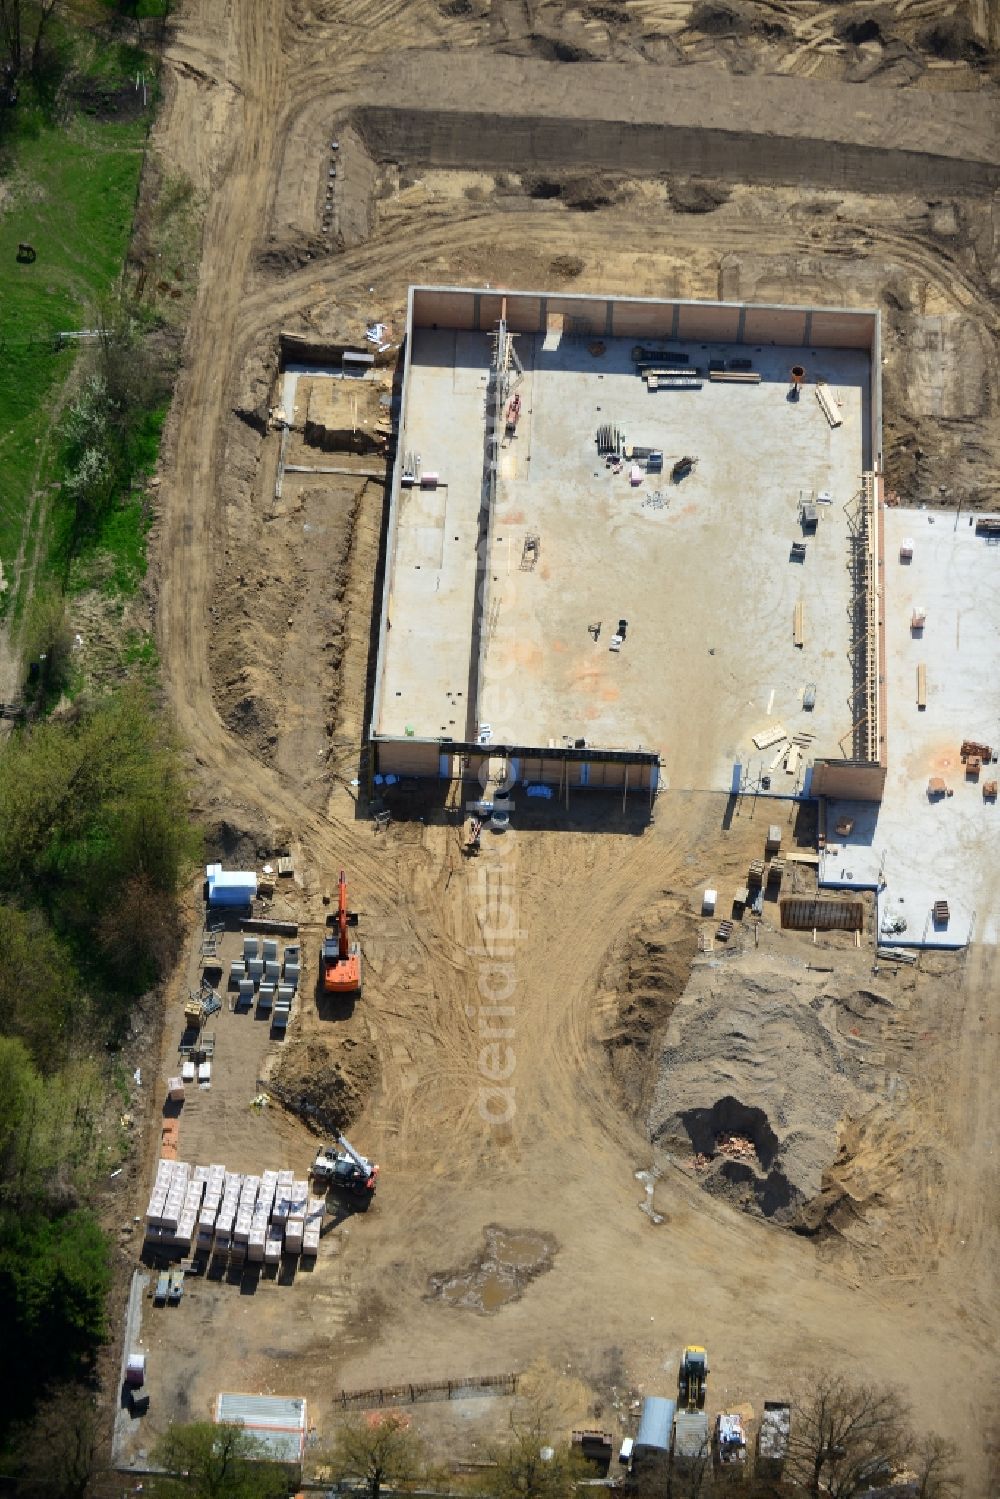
273,1243
249,1217
314,1224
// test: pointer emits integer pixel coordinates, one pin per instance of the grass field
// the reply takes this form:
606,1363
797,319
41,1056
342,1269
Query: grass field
69,190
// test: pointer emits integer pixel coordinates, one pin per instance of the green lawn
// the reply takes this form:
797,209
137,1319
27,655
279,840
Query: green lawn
70,191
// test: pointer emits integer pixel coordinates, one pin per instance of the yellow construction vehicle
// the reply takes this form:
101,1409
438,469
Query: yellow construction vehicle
692,1379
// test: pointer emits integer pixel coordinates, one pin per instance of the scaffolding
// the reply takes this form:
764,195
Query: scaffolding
862,520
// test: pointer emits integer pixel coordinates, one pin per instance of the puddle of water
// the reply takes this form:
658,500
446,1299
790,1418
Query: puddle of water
508,1262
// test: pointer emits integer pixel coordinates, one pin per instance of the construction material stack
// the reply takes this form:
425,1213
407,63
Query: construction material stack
730,1446
209,1210
772,1439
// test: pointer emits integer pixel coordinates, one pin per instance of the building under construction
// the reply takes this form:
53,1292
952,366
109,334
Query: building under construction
635,543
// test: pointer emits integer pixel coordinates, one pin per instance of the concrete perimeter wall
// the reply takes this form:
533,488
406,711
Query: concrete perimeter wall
576,769
635,317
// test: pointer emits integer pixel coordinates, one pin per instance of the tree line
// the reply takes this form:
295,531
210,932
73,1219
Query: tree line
96,846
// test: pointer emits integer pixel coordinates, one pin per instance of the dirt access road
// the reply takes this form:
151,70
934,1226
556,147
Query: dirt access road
918,1306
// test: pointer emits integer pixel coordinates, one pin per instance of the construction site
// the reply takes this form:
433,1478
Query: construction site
575,577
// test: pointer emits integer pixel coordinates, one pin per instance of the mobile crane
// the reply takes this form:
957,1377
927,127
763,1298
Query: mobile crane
342,1166
341,958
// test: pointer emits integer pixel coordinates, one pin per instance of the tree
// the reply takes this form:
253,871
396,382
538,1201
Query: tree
54,1281
88,802
55,1454
535,1462
46,633
38,988
845,1438
140,933
10,34
936,1467
206,1460
379,1447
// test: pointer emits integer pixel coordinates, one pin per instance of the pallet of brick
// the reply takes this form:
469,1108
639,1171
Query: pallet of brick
255,1246
241,1230
274,1239
185,1231
294,1232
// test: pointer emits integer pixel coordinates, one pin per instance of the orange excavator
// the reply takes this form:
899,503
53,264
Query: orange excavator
341,957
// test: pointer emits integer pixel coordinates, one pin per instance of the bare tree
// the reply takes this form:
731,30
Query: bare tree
56,1454
845,1437
937,1469
535,1462
379,1447
46,8
10,34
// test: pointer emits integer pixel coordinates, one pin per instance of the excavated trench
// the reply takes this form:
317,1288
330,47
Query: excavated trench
462,139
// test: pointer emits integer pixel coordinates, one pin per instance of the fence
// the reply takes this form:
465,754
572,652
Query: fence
444,1389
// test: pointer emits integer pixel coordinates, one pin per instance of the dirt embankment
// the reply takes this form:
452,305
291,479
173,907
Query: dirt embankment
764,1060
648,973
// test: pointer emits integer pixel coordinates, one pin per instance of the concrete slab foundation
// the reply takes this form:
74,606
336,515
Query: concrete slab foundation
917,848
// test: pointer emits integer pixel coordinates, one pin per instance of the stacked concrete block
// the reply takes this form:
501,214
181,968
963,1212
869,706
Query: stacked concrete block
266,1192
250,1218
258,1238
294,1232
314,1222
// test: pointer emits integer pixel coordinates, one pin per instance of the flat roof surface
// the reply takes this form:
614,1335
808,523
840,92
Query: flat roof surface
276,1421
947,848
701,570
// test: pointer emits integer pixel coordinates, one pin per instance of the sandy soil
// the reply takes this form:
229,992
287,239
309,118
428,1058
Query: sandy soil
904,1289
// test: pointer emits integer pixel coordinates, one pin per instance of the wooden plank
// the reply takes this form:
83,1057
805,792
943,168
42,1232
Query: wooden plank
828,405
764,738
921,686
798,625
736,377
